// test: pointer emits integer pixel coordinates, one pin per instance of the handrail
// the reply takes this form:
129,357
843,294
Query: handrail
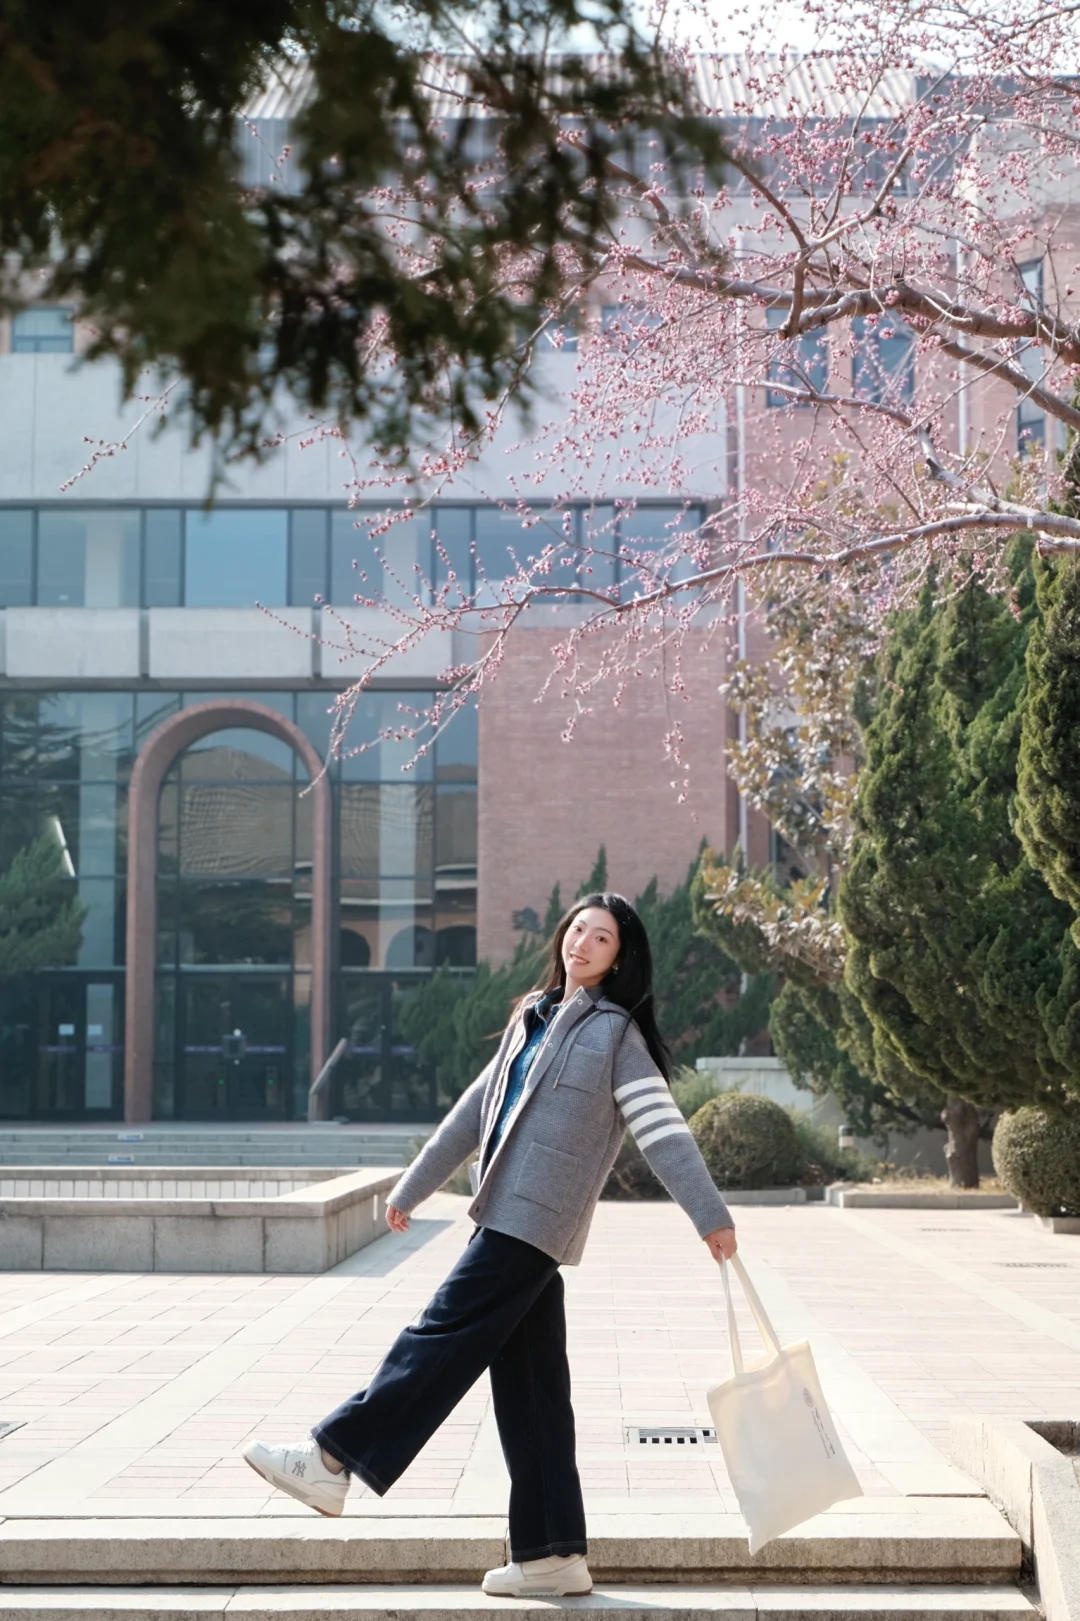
321,1079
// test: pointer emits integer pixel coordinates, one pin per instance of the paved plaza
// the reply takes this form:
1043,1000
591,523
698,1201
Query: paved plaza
136,1393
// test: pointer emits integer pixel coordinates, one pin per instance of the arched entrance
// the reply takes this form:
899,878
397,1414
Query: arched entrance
157,755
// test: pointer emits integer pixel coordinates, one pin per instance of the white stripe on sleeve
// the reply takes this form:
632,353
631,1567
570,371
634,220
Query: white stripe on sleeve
657,1136
631,1088
647,1100
644,1122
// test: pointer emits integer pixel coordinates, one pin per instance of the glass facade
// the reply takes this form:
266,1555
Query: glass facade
46,330
1031,418
235,905
236,556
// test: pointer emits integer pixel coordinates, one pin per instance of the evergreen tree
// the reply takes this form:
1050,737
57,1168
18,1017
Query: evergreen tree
818,1028
954,938
1048,799
825,1042
704,1008
596,882
40,920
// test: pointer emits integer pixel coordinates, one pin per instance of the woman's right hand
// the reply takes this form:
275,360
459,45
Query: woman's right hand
721,1244
396,1220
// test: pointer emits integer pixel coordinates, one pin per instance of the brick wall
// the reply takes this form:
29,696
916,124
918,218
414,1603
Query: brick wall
546,806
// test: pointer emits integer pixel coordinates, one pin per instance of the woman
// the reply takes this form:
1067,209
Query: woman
580,1060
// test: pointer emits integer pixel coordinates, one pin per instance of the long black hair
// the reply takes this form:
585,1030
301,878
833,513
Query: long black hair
629,981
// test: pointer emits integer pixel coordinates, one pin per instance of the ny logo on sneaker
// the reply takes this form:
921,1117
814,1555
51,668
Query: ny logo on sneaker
299,1468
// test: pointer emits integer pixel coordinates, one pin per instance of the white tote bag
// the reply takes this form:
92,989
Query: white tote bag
779,1441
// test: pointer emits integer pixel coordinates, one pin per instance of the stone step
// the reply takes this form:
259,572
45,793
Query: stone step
313,1146
938,1541
432,1603
182,1155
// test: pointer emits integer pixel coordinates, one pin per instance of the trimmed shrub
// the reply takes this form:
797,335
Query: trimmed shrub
747,1142
1037,1158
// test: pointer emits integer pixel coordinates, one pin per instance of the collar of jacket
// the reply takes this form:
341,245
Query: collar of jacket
564,1017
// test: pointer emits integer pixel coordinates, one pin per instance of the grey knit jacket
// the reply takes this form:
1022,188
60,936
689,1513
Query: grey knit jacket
592,1077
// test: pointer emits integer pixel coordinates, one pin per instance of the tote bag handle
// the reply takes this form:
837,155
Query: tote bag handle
761,1317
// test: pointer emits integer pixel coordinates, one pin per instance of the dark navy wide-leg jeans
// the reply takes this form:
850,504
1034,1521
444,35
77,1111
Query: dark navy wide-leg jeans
501,1308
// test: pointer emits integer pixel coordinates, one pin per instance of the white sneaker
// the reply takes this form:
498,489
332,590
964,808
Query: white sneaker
560,1575
300,1471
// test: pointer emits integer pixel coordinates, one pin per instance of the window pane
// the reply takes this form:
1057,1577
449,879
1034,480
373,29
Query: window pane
455,837
391,565
235,923
314,716
385,915
453,529
386,828
152,709
598,534
85,735
458,747
16,557
455,944
43,331
307,578
20,723
162,588
240,753
587,550
883,367
236,557
393,713
235,828
89,822
801,363
20,821
104,927
354,570
88,559
502,545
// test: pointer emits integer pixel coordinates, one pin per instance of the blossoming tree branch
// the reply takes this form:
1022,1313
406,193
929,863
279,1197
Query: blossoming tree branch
861,351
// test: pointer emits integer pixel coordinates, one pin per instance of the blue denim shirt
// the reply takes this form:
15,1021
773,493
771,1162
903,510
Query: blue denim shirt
536,1027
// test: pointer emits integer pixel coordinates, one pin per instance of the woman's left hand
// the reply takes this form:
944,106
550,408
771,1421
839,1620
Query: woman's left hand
721,1244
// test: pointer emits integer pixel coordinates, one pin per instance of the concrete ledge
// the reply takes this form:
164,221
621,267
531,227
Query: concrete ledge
1059,1224
305,1230
766,1196
1038,1490
435,1603
886,1199
231,644
72,643
932,1541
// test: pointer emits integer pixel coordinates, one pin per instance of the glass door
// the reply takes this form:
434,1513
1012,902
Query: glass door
380,1076
80,1048
235,1041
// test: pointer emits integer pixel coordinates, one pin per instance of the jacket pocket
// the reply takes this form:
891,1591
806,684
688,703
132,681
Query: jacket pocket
585,1065
547,1177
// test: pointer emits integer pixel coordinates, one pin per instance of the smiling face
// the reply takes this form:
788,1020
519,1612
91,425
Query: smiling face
590,947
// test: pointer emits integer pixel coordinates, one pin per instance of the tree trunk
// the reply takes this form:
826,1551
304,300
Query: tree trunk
961,1121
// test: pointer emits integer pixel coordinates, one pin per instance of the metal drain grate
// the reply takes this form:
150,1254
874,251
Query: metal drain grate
1036,1266
6,1429
691,1437
946,1229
